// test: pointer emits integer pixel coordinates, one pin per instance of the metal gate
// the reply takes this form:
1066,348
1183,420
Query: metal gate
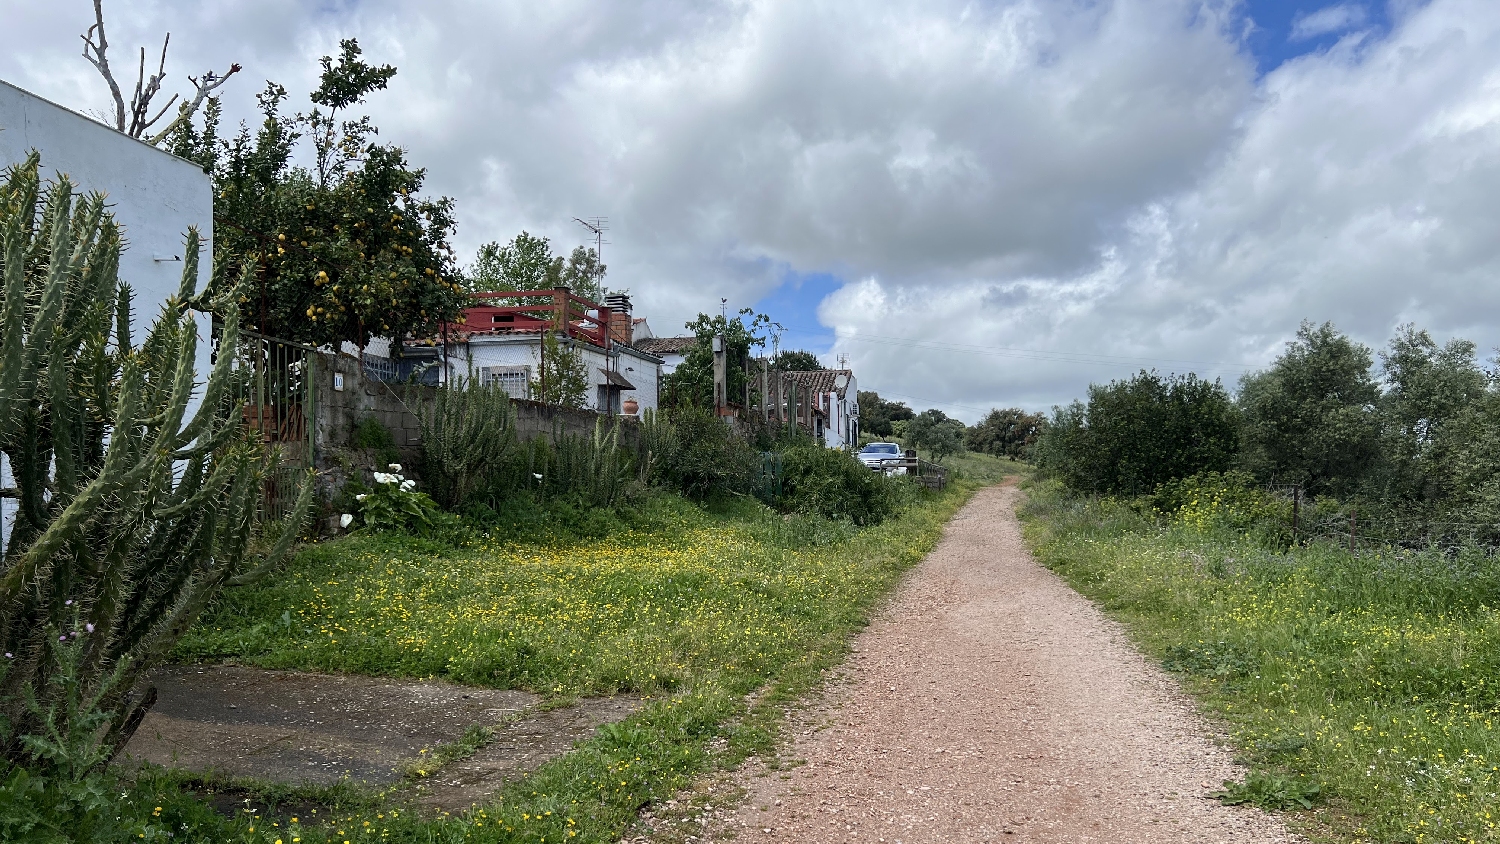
276,402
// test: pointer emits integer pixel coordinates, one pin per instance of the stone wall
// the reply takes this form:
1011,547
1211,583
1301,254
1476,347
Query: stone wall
345,398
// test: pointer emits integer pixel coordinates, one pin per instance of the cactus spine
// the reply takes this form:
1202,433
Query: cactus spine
128,515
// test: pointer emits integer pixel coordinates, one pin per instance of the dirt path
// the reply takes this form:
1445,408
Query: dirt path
991,702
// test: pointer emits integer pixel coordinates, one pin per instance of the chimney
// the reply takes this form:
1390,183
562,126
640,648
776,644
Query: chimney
619,317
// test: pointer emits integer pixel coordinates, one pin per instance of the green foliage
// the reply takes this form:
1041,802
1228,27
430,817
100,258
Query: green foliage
1310,418
1372,676
346,250
469,443
833,484
1270,791
130,515
1006,433
692,383
563,377
474,462
876,415
796,360
1434,395
371,435
394,504
932,431
527,263
690,451
1135,434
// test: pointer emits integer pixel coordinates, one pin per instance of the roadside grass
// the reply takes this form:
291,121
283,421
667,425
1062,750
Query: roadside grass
984,468
1366,686
719,616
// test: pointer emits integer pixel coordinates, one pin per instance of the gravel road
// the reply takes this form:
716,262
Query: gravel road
990,702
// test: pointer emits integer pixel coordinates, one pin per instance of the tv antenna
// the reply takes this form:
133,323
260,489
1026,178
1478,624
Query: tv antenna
597,225
777,330
843,361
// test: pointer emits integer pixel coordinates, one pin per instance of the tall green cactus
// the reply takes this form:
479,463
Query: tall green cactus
126,515
468,440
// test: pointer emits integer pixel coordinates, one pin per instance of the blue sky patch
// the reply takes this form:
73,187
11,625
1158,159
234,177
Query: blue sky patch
1286,29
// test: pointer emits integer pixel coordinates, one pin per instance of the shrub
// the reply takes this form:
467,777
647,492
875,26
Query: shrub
690,451
832,483
1135,434
133,512
396,505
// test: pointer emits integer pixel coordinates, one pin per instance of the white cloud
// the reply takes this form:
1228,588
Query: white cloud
1360,189
1328,20
1106,182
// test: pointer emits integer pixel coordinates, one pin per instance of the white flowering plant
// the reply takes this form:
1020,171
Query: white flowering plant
395,504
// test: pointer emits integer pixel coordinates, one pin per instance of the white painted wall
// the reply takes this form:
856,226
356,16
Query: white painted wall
501,350
154,196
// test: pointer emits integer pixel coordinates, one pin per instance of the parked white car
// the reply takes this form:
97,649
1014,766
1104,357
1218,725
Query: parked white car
876,455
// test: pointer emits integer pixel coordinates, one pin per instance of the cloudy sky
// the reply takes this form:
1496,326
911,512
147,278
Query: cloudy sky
979,203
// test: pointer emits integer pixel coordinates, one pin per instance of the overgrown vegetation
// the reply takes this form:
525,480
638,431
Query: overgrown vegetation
693,606
131,512
1365,684
1410,454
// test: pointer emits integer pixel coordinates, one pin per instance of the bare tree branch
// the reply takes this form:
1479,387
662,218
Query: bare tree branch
100,61
205,85
137,120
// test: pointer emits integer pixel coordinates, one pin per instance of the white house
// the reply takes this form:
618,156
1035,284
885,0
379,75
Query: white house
834,397
503,344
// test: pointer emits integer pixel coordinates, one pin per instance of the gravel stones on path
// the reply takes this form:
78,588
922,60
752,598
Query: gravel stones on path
991,702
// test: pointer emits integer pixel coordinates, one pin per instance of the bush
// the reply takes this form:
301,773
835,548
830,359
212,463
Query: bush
690,451
1133,435
832,483
396,505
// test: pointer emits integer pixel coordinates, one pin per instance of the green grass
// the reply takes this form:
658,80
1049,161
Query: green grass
984,468
693,608
1366,686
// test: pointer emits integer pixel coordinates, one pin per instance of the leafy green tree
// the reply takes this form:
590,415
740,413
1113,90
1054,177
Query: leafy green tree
563,377
796,360
692,383
584,273
1428,388
527,263
1006,433
932,431
876,415
1137,433
1311,418
346,249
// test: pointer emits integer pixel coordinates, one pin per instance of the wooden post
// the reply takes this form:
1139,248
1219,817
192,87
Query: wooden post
1296,506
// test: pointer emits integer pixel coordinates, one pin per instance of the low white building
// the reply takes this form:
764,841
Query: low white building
834,395
503,344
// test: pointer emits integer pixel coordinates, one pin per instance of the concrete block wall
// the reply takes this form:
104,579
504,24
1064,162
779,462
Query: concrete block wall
339,410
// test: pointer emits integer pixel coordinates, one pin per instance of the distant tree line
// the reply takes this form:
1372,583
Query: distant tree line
1419,433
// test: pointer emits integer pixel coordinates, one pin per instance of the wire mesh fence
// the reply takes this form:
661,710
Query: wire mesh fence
1364,527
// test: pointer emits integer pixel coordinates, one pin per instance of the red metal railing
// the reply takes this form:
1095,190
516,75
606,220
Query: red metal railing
537,310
